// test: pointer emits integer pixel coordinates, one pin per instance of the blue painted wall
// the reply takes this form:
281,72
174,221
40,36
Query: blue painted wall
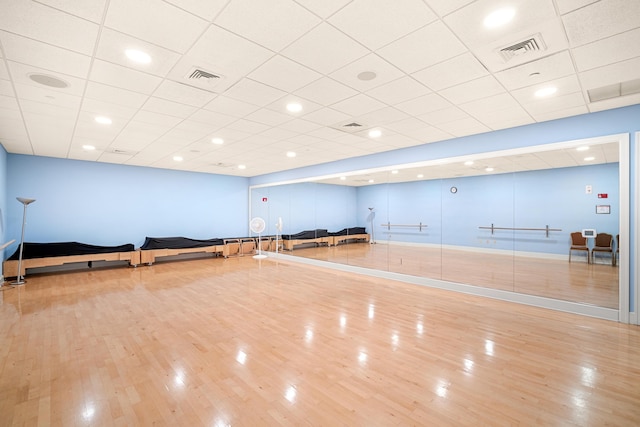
3,198
107,204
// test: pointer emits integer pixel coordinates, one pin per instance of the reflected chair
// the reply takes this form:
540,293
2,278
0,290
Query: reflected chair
616,257
603,244
579,243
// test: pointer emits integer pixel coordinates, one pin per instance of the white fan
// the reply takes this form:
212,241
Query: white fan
257,225
278,231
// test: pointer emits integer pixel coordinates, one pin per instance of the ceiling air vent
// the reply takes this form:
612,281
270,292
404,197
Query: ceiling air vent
525,47
352,125
198,74
222,165
616,90
122,152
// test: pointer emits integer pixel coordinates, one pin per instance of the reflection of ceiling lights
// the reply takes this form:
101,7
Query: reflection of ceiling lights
242,166
499,17
468,163
583,148
88,147
217,141
138,56
589,159
375,133
546,91
489,169
103,120
294,107
291,154
420,175
371,181
394,172
343,178
178,158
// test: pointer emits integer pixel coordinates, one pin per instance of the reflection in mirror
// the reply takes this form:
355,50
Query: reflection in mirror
494,221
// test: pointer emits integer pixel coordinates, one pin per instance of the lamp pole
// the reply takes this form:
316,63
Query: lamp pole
25,202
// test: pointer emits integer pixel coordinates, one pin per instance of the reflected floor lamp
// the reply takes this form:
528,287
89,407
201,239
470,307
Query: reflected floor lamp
20,278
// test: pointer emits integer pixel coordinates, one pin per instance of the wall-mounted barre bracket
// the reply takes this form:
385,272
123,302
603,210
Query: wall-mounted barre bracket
546,229
419,226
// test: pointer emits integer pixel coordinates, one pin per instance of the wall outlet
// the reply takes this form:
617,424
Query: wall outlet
588,189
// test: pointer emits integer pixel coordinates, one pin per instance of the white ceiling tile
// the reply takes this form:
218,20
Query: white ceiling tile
376,23
58,60
183,94
112,46
222,53
230,106
400,90
254,92
40,22
117,113
428,134
489,104
533,73
475,89
451,72
326,91
327,116
423,104
463,127
445,7
325,49
508,119
115,95
300,126
9,107
284,74
4,73
324,8
161,120
280,106
213,119
445,115
610,74
467,22
606,51
555,104
163,106
91,10
268,117
407,125
248,126
382,116
122,77
423,48
6,89
566,6
155,21
358,105
49,110
384,73
47,95
600,20
542,116
206,9
275,24
20,75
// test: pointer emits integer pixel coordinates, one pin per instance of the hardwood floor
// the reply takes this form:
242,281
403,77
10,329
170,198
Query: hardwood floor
595,284
242,342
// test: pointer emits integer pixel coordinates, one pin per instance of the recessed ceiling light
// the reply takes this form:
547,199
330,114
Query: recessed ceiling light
343,178
138,56
291,154
588,159
583,148
546,91
294,107
103,120
394,172
371,181
499,17
88,147
375,133
177,158
489,169
367,75
420,175
468,163
242,166
217,141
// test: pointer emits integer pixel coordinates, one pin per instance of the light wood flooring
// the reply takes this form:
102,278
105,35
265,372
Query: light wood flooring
577,281
241,342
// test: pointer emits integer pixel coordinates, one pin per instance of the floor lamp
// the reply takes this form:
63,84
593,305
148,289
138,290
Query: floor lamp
20,279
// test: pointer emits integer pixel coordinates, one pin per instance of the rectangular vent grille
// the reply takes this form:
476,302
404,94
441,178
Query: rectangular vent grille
629,87
531,45
201,74
352,125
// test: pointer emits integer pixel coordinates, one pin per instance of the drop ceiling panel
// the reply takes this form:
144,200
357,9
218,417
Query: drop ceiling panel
480,88
326,91
557,103
326,116
253,92
607,51
610,74
565,85
542,70
445,7
559,114
40,22
284,74
420,50
566,6
445,115
91,10
155,21
376,23
230,106
48,96
212,119
451,72
601,20
49,110
268,117
358,105
276,23
160,120
170,108
20,75
423,104
324,8
114,95
204,9
608,104
183,94
123,77
45,56
488,106
399,90
463,127
325,49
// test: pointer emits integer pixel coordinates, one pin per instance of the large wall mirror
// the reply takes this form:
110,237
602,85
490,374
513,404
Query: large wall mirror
501,220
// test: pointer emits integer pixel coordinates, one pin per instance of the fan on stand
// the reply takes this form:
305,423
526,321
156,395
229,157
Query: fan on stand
257,225
278,231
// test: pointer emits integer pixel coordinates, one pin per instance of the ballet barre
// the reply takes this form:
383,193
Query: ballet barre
546,229
419,226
